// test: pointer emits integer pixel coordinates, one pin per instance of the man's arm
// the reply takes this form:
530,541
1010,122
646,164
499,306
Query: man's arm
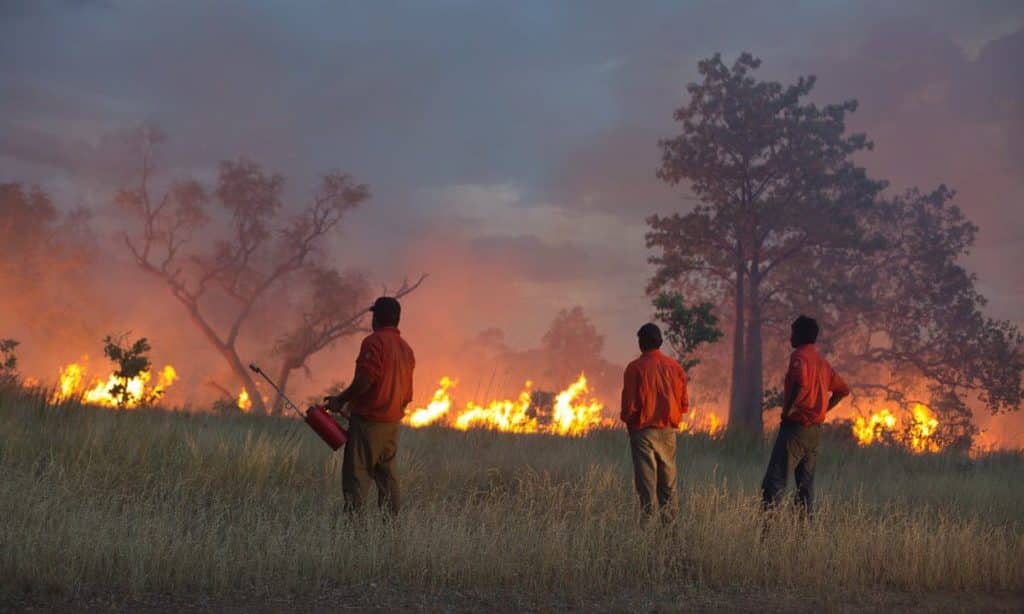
796,376
836,398
629,385
839,389
360,384
787,403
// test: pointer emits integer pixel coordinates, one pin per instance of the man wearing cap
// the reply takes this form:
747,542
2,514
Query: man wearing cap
653,403
380,390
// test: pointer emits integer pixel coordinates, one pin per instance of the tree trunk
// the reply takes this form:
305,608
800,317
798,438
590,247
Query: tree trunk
282,382
248,383
755,362
737,392
228,353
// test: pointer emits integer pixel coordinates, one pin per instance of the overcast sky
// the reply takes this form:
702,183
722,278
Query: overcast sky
510,147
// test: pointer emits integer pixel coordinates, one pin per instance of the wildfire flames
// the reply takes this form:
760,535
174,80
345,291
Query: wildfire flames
438,407
919,435
244,403
114,391
710,424
573,412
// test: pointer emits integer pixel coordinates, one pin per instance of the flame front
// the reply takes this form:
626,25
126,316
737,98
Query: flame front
919,435
510,416
874,428
709,424
573,415
574,412
923,427
438,407
114,391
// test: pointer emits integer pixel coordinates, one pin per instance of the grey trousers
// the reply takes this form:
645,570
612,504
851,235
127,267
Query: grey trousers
795,451
654,470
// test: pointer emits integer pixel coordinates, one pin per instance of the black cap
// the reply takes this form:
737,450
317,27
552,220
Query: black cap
387,309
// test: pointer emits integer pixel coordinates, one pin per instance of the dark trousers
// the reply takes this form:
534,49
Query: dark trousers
370,459
654,470
795,450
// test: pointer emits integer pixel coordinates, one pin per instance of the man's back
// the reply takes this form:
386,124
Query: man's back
816,379
654,392
388,362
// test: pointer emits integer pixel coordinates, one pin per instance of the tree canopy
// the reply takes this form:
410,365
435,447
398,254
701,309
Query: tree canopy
788,222
259,245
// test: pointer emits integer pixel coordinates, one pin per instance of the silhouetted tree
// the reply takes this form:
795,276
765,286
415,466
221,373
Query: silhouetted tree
787,223
908,321
775,179
42,256
572,345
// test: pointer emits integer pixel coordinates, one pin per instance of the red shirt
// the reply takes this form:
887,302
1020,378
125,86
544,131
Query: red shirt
654,392
817,381
387,361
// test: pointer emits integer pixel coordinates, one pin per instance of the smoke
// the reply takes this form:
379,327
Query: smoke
510,149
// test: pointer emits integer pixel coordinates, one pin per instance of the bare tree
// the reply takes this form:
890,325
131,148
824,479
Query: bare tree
257,246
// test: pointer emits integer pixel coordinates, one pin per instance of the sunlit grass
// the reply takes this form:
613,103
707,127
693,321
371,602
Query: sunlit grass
149,501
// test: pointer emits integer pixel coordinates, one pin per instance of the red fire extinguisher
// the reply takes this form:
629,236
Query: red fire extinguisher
316,417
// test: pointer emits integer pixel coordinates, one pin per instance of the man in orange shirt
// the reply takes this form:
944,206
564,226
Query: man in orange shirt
653,403
380,390
812,388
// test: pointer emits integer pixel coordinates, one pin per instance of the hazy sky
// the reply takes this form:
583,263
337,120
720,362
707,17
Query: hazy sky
510,147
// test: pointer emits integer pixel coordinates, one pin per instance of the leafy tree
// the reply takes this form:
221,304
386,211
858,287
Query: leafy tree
910,326
687,327
259,246
775,180
787,223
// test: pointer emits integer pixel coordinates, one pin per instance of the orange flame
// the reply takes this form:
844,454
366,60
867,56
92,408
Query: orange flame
244,403
136,391
573,413
918,435
438,407
873,429
710,424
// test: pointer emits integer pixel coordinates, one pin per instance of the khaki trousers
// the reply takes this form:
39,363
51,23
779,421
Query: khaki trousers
654,470
370,459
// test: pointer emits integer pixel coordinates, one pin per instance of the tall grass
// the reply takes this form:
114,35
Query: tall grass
159,502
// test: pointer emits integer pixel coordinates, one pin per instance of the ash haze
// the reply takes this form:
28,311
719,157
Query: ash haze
510,148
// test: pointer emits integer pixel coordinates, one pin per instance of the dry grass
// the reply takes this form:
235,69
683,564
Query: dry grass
146,502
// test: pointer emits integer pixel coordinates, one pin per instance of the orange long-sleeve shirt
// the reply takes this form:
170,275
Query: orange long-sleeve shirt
387,361
654,392
817,381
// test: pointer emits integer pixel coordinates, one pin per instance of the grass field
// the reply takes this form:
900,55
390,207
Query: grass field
166,510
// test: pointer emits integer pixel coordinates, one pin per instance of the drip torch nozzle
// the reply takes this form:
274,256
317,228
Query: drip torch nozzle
255,369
